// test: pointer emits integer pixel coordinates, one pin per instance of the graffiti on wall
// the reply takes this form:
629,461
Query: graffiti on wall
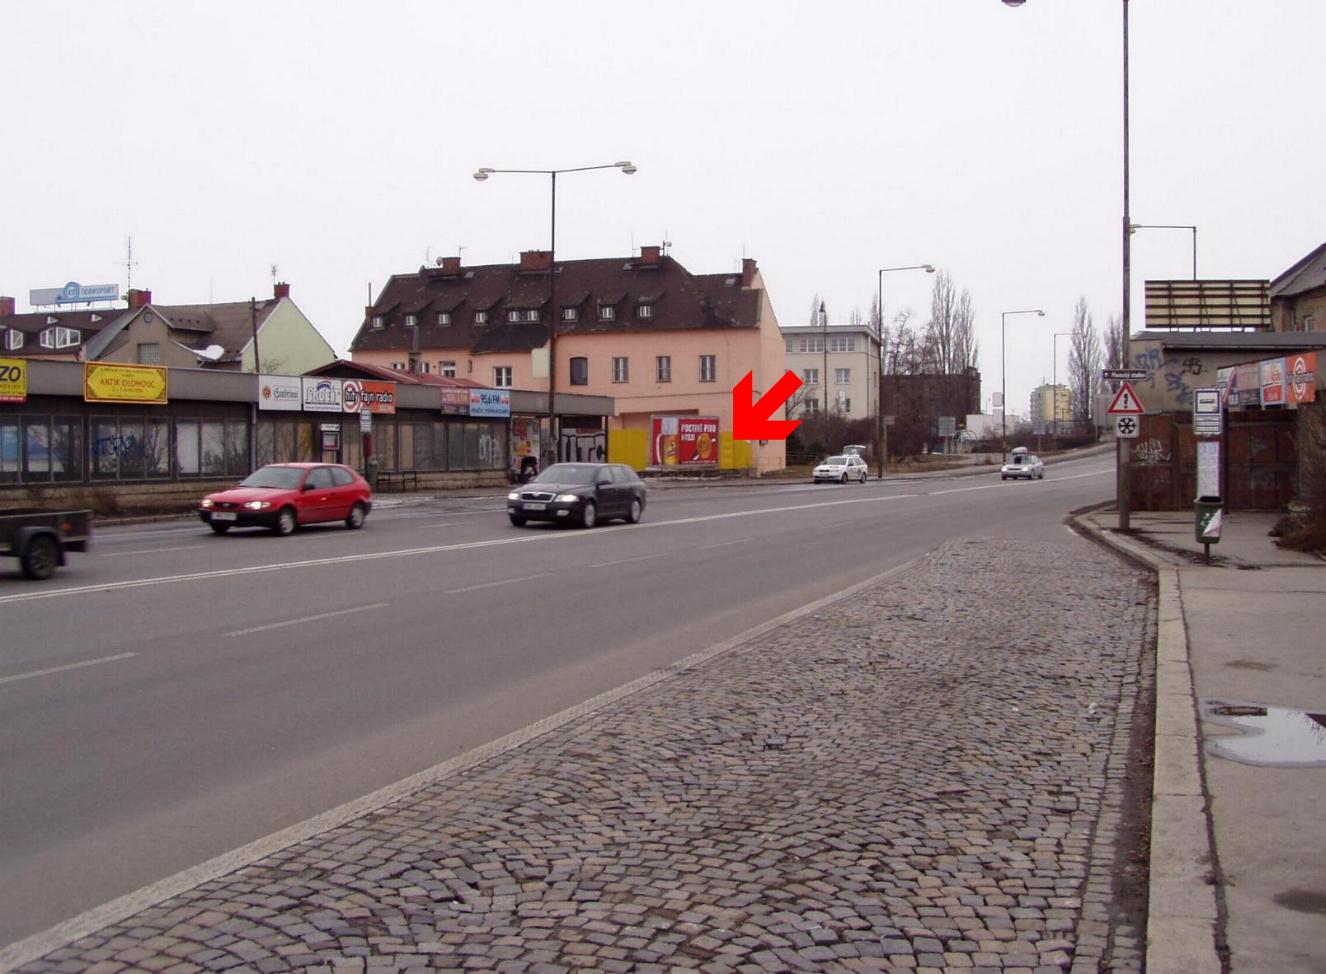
1151,453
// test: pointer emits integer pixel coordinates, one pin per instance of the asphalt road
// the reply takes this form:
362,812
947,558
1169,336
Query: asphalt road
174,694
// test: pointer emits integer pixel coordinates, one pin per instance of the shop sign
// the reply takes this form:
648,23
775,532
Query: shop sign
320,395
13,380
684,440
1302,370
455,401
103,382
369,395
279,392
1273,382
492,403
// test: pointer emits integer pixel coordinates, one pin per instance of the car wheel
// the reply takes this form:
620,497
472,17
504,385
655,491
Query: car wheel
355,519
1002,477
636,510
589,515
285,521
844,478
517,520
40,557
219,528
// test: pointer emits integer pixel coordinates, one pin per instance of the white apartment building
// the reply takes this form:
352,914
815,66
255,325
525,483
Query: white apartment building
839,369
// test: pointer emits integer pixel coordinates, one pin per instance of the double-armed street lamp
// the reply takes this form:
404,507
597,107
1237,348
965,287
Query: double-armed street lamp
881,431
1003,374
553,311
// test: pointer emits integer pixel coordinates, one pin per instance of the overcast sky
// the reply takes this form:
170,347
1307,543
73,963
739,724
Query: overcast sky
825,140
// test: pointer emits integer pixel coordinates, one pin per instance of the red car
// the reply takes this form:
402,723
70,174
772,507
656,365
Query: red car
282,496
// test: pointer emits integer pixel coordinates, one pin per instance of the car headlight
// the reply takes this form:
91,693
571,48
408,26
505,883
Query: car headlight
207,502
567,498
257,505
513,496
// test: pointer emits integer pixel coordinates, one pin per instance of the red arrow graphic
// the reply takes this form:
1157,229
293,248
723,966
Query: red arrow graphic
750,420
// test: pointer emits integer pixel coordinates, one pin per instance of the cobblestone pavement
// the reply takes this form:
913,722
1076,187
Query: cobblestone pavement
925,776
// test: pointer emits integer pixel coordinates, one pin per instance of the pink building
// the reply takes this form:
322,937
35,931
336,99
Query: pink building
664,343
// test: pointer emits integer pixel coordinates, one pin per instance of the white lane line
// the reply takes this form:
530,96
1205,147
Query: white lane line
724,544
145,551
68,666
532,538
627,561
504,581
303,619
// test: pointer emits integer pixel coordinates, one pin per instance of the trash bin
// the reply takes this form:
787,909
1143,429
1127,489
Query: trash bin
1206,512
371,471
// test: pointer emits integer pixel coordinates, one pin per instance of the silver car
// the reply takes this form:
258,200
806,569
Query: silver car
841,469
1023,464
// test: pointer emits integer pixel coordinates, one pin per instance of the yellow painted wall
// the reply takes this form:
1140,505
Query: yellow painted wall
631,447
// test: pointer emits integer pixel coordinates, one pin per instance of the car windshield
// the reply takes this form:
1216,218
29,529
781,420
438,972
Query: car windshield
835,461
567,473
277,478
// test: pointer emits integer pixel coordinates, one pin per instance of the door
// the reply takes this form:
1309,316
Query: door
319,496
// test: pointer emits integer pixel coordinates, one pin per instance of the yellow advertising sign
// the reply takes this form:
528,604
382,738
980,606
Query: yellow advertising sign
13,380
108,382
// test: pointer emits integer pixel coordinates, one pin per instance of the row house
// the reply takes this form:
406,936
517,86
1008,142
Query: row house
666,345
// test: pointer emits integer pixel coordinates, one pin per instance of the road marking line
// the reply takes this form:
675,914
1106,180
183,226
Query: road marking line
626,561
68,666
724,544
320,615
146,551
504,581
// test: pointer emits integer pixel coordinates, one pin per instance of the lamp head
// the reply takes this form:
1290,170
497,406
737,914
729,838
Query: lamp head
1014,3
625,166
928,268
482,174
1040,314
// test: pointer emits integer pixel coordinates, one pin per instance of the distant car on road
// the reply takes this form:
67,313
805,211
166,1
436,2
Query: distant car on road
283,496
579,493
1023,463
841,469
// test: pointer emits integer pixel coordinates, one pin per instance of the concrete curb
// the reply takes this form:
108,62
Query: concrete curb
1183,917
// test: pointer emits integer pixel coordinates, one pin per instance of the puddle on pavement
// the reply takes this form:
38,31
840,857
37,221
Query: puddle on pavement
1277,736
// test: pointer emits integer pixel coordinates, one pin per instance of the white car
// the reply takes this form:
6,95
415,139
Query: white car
841,469
1023,464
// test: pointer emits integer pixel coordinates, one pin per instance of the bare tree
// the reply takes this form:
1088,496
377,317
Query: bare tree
949,336
1114,344
1084,358
815,303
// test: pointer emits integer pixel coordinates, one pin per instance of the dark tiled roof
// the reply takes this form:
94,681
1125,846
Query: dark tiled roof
679,300
229,325
1307,274
87,323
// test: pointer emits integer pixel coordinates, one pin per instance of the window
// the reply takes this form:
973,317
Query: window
398,365
149,353
212,448
444,319
411,321
570,314
13,340
842,343
810,377
607,312
580,371
376,323
532,314
621,369
341,477
513,315
57,337
319,477
646,311
708,368
446,368
842,376
423,367
811,405
481,317
1307,323
664,368
791,344
810,343
501,377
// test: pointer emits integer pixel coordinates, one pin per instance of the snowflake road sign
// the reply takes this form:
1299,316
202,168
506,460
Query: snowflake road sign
1126,427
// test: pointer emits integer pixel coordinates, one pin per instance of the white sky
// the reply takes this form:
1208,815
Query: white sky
825,140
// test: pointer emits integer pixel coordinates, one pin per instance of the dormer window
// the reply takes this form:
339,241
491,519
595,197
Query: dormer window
570,314
57,337
13,340
646,311
607,312
481,317
513,316
377,323
411,321
444,319
532,314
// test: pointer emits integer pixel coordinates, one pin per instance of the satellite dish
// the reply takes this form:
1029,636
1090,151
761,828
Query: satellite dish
212,352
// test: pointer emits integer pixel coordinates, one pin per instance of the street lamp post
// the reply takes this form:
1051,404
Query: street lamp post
1173,226
824,378
1003,373
881,431
483,173
1054,381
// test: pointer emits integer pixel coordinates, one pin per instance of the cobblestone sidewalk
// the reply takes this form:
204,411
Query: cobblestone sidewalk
925,776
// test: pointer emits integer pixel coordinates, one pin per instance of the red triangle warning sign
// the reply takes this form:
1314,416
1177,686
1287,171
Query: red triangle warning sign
1126,403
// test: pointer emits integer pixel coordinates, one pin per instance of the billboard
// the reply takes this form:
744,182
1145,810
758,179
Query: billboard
320,395
280,392
1302,377
368,395
73,293
494,403
676,440
103,382
1273,381
13,380
455,401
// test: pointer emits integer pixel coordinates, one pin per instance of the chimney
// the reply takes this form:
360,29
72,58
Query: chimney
6,307
747,272
535,260
450,265
650,255
138,298
281,290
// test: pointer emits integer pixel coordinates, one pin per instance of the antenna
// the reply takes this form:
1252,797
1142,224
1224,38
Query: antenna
273,275
129,263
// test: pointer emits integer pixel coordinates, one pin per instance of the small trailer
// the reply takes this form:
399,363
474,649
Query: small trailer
39,539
